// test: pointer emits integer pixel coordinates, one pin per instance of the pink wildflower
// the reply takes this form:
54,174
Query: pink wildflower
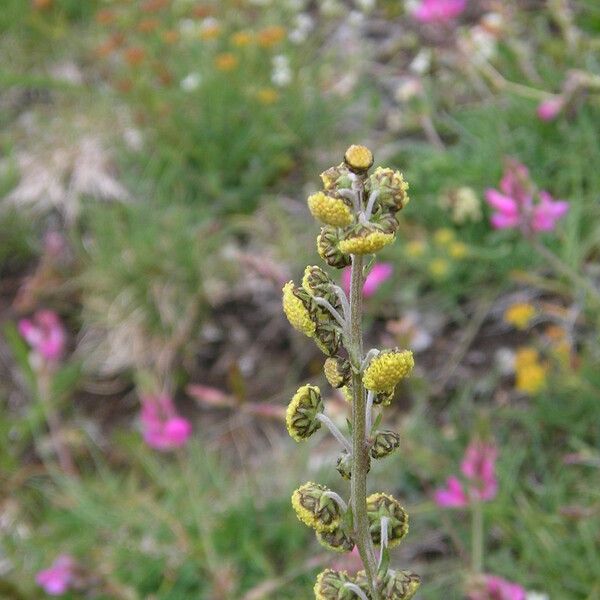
45,334
380,273
452,496
163,428
514,206
493,587
58,578
548,110
435,11
479,468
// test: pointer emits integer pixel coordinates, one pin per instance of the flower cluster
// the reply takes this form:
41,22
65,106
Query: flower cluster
514,204
530,372
358,211
45,334
163,429
59,577
479,469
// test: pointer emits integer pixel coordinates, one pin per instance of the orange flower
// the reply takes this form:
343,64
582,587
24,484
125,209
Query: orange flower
154,5
267,96
170,36
226,61
241,38
269,36
105,17
134,56
148,25
42,4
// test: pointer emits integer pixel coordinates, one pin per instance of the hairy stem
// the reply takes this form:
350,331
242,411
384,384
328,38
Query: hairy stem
360,454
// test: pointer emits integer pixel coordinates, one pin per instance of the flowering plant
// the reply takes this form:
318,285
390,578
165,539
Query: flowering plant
359,215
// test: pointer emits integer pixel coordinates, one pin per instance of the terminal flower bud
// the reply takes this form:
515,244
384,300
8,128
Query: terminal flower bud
301,414
382,505
315,509
358,158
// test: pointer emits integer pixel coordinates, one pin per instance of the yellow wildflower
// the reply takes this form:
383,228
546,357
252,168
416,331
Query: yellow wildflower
336,540
330,583
337,371
530,373
520,314
383,505
458,250
368,244
226,61
295,310
267,95
443,236
358,158
210,31
439,268
329,210
386,369
241,38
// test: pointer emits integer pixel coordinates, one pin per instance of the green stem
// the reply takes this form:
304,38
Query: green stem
360,449
477,537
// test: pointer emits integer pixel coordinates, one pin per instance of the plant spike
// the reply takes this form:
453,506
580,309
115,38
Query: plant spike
359,212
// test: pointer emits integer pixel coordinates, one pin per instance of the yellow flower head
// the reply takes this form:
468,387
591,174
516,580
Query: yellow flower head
267,96
315,509
226,61
337,371
358,158
439,268
386,369
384,443
382,505
328,248
241,38
369,243
336,177
458,250
443,236
329,210
520,314
396,585
301,414
393,190
296,311
330,586
530,373
336,541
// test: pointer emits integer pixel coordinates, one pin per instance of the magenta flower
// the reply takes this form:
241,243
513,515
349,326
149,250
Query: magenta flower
436,11
479,468
162,427
58,578
380,273
493,587
548,110
45,334
514,206
453,495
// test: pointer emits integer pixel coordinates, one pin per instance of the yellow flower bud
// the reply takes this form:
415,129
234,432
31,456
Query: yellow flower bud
329,250
369,243
358,158
330,586
314,508
301,414
383,505
296,311
337,371
336,541
387,369
330,210
520,314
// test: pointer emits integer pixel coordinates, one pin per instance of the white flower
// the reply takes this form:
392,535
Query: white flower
190,82
304,24
281,74
421,62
